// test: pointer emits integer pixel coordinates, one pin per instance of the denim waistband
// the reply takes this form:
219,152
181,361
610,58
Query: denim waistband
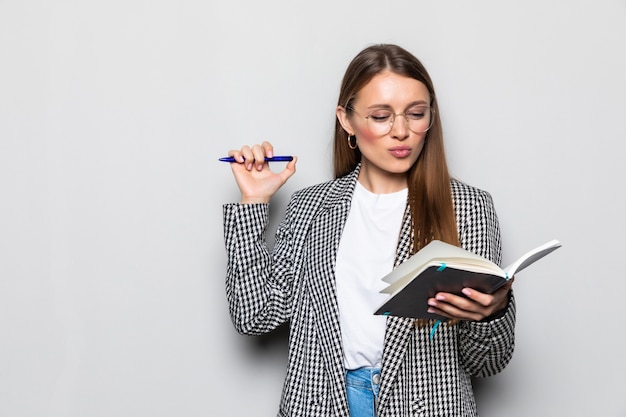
364,377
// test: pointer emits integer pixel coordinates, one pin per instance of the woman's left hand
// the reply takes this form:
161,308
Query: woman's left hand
473,305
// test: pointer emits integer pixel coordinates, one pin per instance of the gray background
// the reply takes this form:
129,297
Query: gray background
113,115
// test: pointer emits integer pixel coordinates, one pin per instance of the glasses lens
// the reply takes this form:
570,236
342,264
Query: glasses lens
419,119
380,121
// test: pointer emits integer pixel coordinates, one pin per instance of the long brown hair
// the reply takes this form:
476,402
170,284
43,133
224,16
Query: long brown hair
430,198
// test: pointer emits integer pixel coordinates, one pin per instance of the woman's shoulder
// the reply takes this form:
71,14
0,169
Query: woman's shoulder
308,202
316,188
462,190
468,198
338,189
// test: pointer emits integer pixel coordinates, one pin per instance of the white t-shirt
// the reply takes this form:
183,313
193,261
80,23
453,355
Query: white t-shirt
366,254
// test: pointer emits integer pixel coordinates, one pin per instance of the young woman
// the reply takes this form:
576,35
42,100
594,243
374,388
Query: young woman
391,196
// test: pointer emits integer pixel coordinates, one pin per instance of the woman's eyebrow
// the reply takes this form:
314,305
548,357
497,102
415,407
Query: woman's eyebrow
380,106
418,103
408,106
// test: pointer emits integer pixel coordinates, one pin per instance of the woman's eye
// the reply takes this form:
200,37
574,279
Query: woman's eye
416,114
380,117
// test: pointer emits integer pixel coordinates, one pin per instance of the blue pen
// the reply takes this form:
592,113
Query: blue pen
272,159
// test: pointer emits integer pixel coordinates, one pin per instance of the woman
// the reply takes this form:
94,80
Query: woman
391,196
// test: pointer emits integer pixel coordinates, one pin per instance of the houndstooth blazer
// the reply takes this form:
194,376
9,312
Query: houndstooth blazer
295,283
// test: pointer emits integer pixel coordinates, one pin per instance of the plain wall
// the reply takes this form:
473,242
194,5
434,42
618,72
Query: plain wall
113,115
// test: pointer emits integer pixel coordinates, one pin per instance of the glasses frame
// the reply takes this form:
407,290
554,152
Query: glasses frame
393,119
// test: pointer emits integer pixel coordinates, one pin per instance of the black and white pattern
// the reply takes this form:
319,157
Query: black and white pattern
295,283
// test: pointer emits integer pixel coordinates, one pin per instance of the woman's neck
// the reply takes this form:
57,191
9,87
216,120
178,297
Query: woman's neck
381,182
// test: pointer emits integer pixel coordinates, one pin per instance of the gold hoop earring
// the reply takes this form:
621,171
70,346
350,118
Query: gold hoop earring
350,145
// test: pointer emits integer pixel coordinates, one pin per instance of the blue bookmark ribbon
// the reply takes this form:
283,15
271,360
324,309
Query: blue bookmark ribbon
434,329
438,322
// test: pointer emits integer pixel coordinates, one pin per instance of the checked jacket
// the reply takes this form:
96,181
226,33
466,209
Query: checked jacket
294,282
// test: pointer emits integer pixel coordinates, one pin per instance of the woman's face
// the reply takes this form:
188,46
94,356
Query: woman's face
386,157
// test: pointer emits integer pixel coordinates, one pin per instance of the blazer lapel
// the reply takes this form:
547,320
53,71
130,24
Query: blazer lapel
399,329
323,241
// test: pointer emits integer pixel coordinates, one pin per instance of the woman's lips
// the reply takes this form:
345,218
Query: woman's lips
400,152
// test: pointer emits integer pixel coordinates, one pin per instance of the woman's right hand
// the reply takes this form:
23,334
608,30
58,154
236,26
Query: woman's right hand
255,180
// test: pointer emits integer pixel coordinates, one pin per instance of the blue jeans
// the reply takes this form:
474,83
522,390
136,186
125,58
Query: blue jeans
362,387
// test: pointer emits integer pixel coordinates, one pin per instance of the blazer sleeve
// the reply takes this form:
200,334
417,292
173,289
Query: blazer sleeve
486,347
258,282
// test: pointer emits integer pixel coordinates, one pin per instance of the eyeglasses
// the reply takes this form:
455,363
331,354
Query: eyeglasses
380,121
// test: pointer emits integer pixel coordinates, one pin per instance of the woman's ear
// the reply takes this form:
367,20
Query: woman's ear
342,116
